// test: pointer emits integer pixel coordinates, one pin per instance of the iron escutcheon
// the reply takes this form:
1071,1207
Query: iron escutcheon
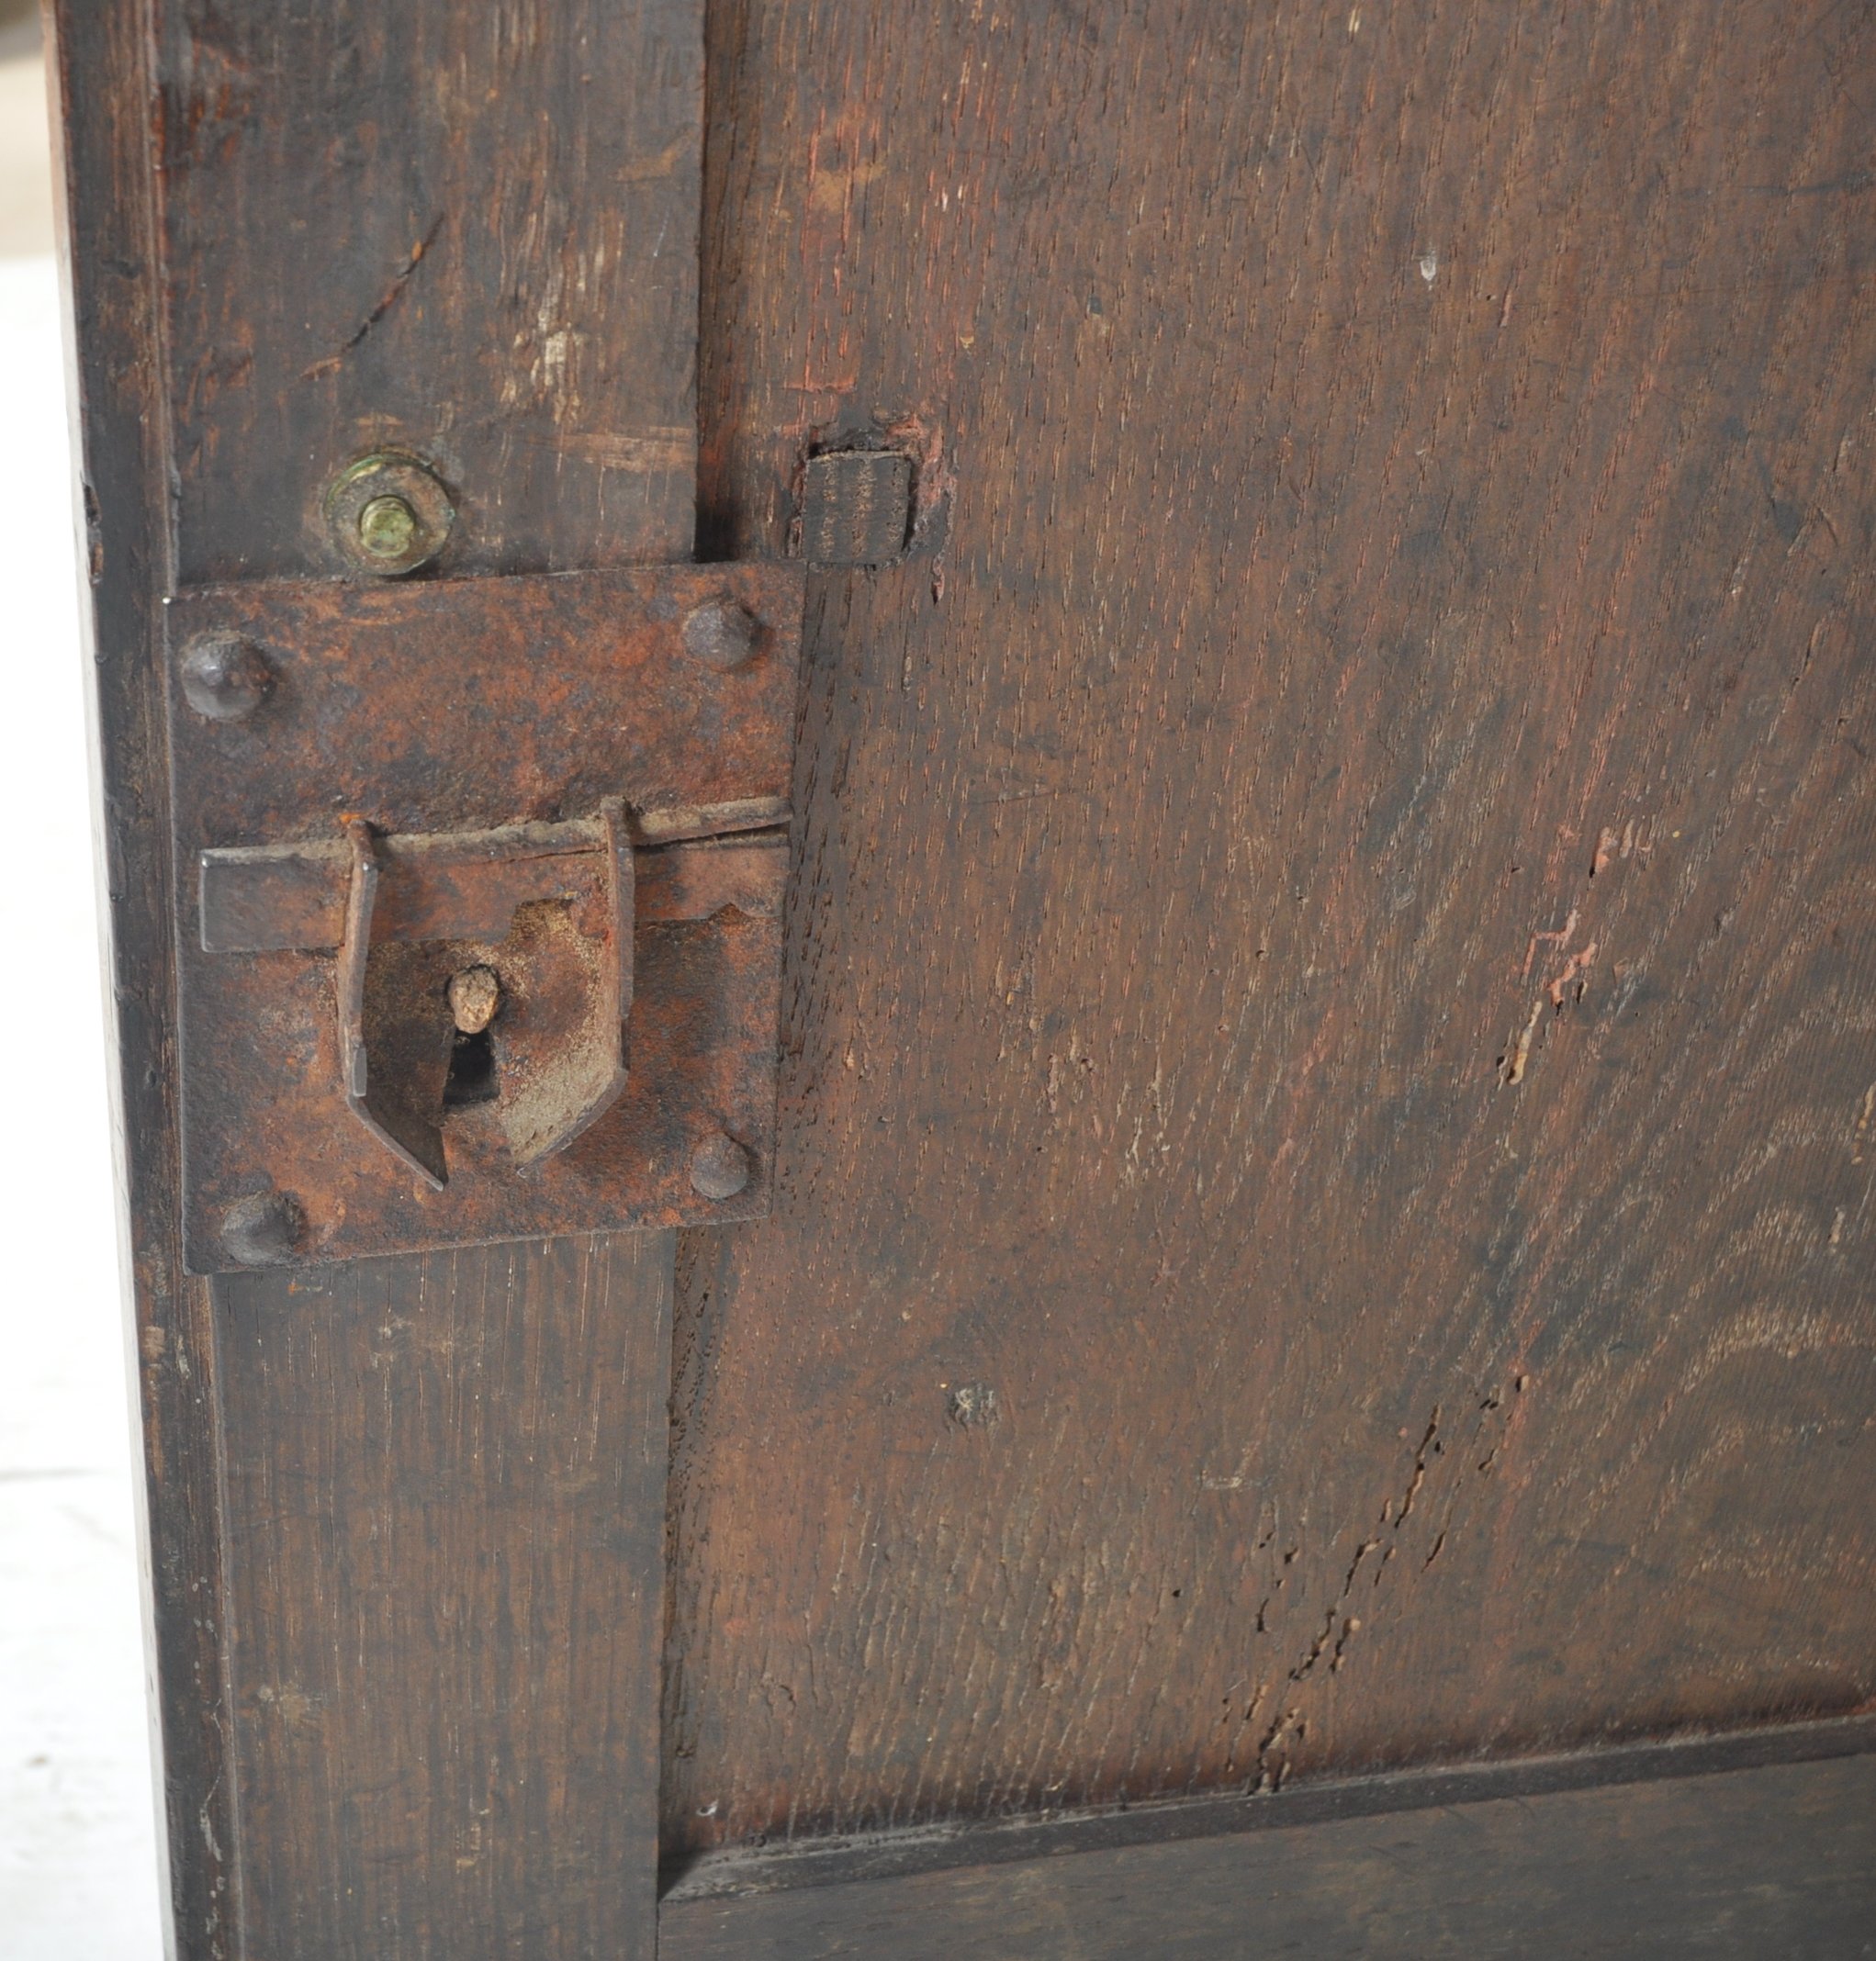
535,779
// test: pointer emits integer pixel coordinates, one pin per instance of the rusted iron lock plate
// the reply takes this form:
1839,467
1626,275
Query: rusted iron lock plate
479,886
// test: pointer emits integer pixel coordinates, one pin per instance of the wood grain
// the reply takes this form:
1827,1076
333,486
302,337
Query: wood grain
475,235
471,232
1324,1203
445,1482
1324,1206
786,1865
1770,1861
99,79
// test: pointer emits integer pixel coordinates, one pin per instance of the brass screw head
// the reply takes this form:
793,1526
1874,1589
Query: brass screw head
388,513
387,527
719,1167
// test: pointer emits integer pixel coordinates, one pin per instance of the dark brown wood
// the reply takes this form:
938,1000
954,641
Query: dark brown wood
1780,1860
444,1485
855,507
1332,969
432,233
843,1862
1325,1193
342,231
100,88
471,235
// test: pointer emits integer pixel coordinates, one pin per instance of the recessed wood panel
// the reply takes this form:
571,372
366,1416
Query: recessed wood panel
1323,1208
1775,1860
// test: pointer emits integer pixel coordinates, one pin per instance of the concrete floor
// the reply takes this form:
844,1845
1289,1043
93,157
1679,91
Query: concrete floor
78,1857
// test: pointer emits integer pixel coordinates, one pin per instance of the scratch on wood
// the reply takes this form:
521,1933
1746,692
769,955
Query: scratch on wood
1559,939
1575,967
332,364
1520,1053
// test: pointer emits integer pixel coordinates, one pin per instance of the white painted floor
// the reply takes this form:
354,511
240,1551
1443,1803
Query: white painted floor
78,1871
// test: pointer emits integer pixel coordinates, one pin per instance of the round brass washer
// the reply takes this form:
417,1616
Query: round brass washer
402,478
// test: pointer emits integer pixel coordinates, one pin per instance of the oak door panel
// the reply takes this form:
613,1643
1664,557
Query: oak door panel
1324,1199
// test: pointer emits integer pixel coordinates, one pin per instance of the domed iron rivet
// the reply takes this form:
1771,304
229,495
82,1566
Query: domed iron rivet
722,633
719,1167
265,1229
224,676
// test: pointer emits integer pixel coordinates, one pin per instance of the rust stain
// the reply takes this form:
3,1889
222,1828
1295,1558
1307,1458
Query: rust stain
469,729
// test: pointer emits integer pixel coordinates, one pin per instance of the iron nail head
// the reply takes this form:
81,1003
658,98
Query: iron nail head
264,1229
224,676
722,633
719,1167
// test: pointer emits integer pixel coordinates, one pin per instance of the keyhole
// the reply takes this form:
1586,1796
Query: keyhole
471,1078
474,996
